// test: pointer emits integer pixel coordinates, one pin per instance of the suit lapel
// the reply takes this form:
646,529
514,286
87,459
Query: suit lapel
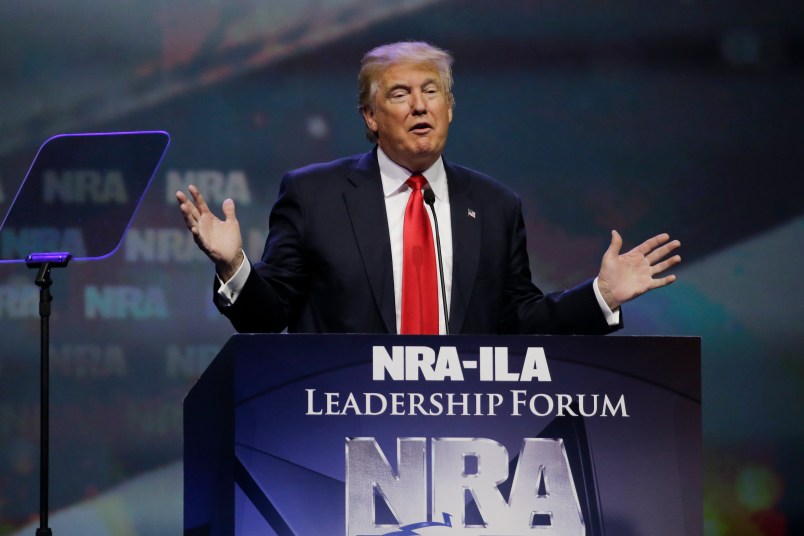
366,206
466,223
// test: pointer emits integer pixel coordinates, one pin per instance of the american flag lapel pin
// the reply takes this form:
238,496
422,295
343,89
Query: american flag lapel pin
471,213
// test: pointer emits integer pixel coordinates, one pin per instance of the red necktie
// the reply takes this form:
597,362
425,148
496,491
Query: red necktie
419,287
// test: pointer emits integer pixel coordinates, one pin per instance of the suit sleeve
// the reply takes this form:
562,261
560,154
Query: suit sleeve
278,284
529,311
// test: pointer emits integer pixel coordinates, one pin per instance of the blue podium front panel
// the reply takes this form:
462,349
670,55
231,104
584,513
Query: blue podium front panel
380,435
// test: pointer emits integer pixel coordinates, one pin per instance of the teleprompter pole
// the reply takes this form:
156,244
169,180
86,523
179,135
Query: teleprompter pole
44,262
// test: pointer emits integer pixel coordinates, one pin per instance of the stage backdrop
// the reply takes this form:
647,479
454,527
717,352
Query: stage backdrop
646,117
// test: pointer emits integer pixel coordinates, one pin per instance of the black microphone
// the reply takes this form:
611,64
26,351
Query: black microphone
429,198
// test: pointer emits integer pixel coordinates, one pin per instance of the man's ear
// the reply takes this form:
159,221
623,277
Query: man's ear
368,117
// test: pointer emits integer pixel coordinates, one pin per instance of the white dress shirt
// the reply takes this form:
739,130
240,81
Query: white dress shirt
397,192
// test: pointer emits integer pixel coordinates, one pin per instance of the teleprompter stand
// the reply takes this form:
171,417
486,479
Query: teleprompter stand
123,164
44,262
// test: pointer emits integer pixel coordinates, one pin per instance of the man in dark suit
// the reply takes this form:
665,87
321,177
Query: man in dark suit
337,257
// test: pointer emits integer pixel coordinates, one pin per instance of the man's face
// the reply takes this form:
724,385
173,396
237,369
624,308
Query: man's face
411,115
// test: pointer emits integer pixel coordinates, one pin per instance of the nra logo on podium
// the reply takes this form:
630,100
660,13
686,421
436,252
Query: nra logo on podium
465,478
413,363
465,488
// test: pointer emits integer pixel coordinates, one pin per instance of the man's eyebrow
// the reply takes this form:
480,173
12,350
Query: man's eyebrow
406,86
398,85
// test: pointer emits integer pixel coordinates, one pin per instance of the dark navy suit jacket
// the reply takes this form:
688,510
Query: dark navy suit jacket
327,268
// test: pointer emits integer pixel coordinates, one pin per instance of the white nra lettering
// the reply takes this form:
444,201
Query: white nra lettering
150,418
84,186
188,361
215,185
19,243
124,302
19,301
542,499
413,363
161,245
89,361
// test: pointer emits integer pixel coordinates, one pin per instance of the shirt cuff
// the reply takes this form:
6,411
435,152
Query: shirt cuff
612,317
230,290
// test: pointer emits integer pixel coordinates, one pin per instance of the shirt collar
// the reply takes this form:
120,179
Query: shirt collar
394,176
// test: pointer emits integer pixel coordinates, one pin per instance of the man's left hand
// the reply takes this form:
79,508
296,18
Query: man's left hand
625,277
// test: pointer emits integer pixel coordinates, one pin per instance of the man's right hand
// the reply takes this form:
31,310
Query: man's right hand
219,239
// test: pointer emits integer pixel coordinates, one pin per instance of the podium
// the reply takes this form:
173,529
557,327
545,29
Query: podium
483,435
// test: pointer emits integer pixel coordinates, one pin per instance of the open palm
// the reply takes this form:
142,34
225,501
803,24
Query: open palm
219,239
626,276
